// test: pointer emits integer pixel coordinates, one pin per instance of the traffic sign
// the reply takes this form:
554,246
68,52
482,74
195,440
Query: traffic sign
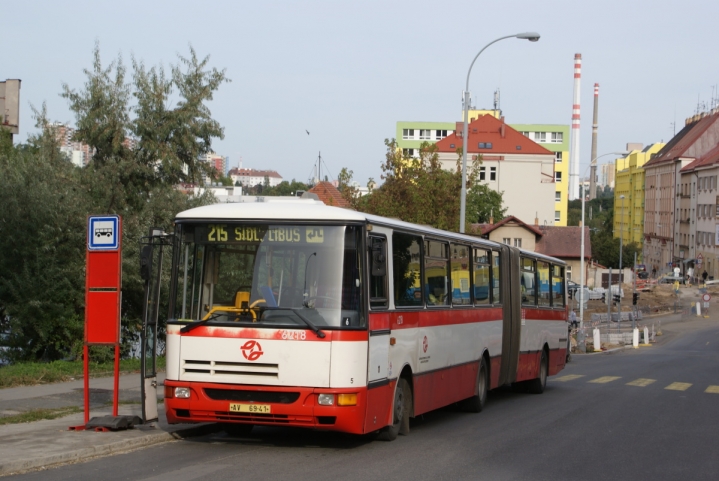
103,233
706,298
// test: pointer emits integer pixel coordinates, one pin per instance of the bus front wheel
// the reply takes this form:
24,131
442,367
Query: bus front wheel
400,412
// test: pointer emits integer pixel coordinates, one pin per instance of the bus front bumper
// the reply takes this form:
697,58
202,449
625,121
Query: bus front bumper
266,405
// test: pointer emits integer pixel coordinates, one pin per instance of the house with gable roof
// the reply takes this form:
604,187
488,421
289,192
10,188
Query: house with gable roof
562,242
512,163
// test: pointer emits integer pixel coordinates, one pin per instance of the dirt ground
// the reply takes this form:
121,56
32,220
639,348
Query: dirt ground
656,297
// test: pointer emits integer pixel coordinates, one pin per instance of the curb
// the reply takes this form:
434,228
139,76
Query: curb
22,465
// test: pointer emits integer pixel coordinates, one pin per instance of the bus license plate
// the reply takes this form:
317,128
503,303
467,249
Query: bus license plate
250,408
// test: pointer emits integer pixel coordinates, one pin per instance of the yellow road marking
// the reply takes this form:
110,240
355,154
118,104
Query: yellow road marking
678,386
713,389
568,377
641,382
605,379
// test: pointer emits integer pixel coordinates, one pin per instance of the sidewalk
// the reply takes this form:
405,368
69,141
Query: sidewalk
45,443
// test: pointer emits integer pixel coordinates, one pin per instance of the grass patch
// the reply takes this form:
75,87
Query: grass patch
32,373
39,415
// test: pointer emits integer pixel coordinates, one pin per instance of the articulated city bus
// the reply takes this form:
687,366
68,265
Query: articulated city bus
295,313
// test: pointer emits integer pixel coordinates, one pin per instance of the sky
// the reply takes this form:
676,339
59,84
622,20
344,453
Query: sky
347,71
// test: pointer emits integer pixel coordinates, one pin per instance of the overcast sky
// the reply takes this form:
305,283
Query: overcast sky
347,71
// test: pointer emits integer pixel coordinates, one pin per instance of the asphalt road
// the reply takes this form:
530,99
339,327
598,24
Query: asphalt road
632,414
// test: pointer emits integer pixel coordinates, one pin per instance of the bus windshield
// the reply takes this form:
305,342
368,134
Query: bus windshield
269,275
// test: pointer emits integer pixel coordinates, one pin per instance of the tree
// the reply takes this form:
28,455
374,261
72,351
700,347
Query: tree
484,204
168,138
46,200
420,190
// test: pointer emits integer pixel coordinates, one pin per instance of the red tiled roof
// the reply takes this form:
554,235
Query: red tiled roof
254,173
329,194
564,242
488,129
487,228
710,158
693,141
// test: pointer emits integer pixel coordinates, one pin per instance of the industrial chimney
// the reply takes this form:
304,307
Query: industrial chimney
574,147
593,158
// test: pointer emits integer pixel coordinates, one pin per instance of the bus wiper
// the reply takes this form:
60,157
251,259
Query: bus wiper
309,323
195,324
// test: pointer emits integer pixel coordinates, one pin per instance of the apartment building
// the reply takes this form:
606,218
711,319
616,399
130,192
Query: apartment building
512,164
671,196
629,182
554,138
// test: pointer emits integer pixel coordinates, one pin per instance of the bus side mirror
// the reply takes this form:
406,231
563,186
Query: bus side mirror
145,262
379,259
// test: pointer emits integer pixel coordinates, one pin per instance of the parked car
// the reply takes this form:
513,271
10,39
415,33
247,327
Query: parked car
642,275
572,288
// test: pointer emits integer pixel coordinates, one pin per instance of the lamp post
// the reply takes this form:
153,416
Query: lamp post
532,37
581,286
621,248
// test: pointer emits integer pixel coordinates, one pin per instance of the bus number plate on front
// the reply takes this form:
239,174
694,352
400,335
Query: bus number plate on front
250,408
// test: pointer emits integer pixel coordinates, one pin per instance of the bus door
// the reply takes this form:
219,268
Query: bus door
151,257
379,327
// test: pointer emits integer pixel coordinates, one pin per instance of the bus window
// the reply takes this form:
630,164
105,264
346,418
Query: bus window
378,272
406,275
558,286
496,277
543,277
481,277
436,282
459,267
527,284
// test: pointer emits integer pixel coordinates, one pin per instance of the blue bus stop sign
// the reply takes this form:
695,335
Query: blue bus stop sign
102,233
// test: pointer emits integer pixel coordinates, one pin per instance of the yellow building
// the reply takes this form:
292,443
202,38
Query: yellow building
629,182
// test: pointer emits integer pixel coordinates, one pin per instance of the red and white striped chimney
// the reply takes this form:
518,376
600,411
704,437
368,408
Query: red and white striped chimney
574,147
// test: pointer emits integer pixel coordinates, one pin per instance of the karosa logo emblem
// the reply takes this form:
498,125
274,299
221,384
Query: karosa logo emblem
252,350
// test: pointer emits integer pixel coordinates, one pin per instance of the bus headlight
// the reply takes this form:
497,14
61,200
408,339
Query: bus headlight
326,399
182,392
346,399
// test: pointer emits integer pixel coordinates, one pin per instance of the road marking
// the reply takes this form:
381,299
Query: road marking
713,390
641,382
568,377
678,386
605,379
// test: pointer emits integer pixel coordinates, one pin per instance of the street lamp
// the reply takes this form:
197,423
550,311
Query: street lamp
581,285
621,248
532,37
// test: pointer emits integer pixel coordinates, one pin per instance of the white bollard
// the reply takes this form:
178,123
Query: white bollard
646,335
635,338
597,341
699,309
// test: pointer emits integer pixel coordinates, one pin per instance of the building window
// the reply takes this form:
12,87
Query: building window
517,242
558,157
484,145
557,215
526,134
440,134
483,175
408,134
507,240
540,137
557,176
408,152
557,196
424,134
557,137
492,174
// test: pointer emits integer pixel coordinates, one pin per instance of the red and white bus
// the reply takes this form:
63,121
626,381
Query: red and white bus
294,313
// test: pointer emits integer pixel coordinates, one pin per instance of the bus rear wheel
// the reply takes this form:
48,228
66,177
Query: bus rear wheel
400,412
475,404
